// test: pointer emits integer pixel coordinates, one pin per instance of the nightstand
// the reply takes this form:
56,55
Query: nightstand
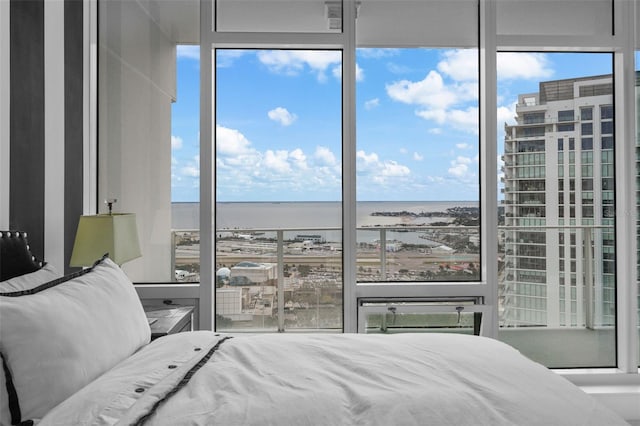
165,320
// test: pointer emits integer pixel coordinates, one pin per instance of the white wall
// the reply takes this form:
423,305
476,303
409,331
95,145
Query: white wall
54,133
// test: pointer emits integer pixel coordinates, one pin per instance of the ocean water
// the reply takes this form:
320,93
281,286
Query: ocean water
307,214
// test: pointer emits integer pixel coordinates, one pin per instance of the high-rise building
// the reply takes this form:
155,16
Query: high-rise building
558,185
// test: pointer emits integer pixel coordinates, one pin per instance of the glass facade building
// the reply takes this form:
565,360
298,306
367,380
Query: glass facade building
559,263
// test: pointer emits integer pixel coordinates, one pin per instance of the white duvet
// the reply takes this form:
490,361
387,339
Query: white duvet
319,379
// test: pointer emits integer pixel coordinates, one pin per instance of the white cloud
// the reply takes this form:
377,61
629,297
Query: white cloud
376,53
282,116
293,62
276,161
417,156
190,51
359,73
393,169
325,156
370,167
243,168
226,57
367,158
176,142
460,167
299,159
439,102
506,114
460,64
523,65
231,141
447,102
463,146
372,103
431,91
466,120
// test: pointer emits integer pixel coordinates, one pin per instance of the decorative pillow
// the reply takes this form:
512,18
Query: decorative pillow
61,335
31,280
23,282
15,256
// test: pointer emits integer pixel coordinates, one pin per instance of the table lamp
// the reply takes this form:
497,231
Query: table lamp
112,233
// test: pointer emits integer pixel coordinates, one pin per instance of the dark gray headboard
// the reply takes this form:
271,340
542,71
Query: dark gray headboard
15,257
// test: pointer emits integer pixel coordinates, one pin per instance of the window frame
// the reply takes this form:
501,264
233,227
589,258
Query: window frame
489,44
621,44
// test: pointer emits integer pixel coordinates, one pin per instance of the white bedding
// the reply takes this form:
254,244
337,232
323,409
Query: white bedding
318,379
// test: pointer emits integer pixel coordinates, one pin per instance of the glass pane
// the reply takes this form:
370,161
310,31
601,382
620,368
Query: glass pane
278,190
420,317
139,140
185,166
556,255
304,16
417,165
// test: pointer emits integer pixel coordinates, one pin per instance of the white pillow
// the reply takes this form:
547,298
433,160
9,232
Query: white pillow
22,282
69,332
31,280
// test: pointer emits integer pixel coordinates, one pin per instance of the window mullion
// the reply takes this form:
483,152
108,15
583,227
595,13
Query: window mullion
625,169
349,167
206,303
488,160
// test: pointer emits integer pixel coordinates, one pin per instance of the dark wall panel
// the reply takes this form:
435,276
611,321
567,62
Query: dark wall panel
73,61
26,210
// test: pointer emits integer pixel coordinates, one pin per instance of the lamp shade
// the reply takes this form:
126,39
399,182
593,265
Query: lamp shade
115,234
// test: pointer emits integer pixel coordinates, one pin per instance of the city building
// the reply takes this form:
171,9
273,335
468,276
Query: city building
559,206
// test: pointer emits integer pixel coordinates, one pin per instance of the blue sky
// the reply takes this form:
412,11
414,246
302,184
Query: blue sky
278,117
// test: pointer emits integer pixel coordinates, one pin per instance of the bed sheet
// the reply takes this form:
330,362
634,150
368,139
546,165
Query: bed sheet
206,378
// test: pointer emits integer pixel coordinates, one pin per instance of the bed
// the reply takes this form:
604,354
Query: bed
76,350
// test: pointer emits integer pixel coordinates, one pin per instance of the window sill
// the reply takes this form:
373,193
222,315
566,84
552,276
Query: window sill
617,390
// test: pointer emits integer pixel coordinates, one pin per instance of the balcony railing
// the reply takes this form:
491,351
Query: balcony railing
298,286
304,267
300,269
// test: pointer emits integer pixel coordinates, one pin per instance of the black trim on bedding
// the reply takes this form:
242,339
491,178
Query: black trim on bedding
182,383
55,282
14,404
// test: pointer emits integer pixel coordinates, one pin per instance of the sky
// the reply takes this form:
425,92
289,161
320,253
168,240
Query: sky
278,121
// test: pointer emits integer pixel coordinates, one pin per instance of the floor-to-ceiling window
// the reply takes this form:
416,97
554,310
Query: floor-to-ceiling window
417,165
185,166
278,166
278,189
418,191
557,230
354,141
